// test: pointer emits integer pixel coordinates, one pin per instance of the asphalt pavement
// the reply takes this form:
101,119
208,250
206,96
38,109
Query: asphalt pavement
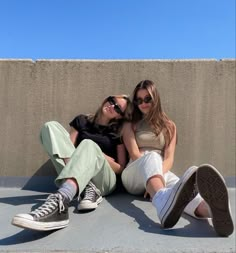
121,223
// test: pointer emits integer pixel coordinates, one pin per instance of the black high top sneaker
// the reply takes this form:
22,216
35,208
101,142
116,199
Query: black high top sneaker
92,198
51,215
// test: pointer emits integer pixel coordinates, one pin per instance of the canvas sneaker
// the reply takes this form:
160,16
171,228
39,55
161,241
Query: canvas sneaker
53,214
170,202
92,198
211,186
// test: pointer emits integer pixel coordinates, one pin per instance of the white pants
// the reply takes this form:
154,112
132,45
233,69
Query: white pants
137,173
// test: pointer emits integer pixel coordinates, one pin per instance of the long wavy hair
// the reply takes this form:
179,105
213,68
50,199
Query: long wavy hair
156,117
115,124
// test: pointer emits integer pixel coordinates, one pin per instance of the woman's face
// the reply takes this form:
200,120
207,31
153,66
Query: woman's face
143,101
114,107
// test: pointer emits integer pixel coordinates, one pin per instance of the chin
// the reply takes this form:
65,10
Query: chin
145,111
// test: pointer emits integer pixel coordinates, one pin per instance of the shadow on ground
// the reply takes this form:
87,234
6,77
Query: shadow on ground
25,236
124,203
43,179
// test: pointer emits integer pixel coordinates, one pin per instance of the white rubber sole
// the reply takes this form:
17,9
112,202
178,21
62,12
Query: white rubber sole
86,206
40,226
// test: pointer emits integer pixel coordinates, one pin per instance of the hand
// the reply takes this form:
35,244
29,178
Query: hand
146,195
109,158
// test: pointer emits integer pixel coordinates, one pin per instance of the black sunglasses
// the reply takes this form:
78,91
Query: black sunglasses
111,100
146,100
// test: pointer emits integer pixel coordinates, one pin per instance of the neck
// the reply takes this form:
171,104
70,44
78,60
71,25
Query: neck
102,120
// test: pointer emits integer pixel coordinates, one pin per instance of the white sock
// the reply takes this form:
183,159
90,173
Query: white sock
158,196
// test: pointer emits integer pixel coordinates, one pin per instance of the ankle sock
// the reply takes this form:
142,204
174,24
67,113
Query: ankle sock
68,191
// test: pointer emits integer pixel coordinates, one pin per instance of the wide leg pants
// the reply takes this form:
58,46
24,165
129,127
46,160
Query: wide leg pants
87,162
136,174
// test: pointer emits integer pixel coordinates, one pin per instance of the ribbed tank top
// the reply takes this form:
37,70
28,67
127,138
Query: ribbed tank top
147,140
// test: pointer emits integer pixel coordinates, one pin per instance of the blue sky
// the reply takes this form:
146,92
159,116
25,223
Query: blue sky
117,29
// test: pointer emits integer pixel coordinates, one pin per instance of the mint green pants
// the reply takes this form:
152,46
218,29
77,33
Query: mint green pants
87,162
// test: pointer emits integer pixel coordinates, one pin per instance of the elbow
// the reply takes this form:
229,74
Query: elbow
135,156
120,169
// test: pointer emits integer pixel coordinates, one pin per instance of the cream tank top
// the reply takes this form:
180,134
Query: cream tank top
147,140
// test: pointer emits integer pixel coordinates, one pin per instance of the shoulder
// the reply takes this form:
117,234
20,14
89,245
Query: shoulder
172,130
80,121
128,126
172,125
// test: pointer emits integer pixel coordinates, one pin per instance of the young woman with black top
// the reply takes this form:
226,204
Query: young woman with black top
89,157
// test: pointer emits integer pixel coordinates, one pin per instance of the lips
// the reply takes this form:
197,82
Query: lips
110,109
145,107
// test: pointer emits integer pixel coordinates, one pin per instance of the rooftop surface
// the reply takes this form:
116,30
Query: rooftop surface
121,223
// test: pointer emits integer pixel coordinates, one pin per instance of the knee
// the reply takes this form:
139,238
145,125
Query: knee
48,125
154,156
152,166
46,128
88,144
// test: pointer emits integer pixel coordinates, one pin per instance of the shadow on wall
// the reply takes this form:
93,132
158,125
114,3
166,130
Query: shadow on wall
43,180
41,183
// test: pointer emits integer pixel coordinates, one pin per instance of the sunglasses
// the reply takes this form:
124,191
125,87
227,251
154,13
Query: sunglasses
146,100
111,100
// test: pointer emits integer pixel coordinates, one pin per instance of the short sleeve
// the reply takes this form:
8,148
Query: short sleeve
79,122
117,140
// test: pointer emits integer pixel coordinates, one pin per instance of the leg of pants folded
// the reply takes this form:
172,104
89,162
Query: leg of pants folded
136,174
88,163
56,142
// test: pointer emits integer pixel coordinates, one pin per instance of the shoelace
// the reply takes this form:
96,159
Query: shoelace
90,193
53,201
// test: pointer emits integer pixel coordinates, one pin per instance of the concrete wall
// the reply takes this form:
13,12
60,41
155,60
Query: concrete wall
199,95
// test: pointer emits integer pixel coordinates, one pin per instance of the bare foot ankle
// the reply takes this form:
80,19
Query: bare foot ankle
203,210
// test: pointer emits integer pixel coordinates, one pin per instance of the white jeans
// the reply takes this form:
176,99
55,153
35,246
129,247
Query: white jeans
137,173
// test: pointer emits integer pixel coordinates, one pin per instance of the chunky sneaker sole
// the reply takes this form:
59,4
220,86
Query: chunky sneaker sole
25,221
212,188
87,205
183,192
51,215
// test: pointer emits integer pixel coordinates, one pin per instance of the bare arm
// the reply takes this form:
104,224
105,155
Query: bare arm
121,154
130,141
170,152
73,135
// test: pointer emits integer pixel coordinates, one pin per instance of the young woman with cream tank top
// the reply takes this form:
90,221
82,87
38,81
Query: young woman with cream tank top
151,140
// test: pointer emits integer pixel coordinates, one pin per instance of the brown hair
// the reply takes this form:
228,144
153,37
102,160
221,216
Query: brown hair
115,124
156,117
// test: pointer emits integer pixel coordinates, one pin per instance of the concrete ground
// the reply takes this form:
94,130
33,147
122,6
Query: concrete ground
122,223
